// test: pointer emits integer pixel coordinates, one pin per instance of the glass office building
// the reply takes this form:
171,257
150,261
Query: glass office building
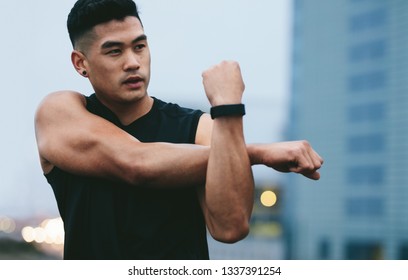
350,100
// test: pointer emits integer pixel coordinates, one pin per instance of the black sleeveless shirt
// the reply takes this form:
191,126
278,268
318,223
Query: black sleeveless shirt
109,220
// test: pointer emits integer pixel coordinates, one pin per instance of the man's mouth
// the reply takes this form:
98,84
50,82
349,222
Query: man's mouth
133,79
134,82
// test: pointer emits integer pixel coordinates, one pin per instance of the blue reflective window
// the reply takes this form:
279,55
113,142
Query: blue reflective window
366,143
368,51
367,81
365,207
371,112
370,175
368,20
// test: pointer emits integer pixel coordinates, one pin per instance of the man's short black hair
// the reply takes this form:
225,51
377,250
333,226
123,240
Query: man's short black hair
88,13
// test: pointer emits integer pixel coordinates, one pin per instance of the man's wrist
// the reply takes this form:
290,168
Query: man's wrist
255,154
227,110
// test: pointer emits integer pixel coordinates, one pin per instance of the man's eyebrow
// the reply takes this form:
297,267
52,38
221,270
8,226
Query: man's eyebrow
112,44
142,37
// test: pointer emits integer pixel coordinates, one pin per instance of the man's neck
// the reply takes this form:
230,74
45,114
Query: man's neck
129,112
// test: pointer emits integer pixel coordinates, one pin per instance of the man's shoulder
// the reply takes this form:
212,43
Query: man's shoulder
62,98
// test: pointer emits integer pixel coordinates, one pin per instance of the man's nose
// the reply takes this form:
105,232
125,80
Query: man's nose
132,62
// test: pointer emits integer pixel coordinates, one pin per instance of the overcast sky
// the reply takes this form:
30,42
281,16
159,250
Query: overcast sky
185,37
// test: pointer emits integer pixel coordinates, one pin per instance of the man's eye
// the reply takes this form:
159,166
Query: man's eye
113,52
140,46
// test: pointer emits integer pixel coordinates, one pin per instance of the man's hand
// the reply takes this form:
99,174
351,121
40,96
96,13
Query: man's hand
297,156
223,83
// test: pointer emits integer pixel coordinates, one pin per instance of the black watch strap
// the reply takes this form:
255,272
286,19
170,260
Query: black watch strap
227,110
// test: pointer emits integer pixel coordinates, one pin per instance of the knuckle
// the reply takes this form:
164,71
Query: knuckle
308,167
297,150
305,144
321,160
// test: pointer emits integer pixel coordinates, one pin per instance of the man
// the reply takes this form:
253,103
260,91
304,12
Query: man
139,178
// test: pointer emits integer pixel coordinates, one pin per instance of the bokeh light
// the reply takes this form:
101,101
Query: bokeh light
7,225
28,234
51,231
268,198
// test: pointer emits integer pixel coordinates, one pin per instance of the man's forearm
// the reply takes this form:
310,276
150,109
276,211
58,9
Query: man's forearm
229,183
166,165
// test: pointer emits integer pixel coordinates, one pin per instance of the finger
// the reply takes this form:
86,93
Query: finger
306,160
314,160
307,167
306,163
312,175
317,160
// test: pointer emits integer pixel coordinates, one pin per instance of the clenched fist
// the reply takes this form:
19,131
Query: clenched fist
295,156
223,83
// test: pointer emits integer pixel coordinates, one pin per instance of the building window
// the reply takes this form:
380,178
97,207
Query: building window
367,81
366,143
372,112
365,207
366,175
364,250
368,20
368,51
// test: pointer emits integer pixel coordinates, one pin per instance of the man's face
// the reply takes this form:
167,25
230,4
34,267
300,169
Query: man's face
118,61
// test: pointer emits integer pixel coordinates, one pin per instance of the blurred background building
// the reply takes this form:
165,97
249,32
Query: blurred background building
350,100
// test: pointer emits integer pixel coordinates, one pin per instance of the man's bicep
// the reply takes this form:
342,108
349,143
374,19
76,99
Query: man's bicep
204,130
51,121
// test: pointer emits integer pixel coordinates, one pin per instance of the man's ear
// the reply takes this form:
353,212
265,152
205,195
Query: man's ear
78,60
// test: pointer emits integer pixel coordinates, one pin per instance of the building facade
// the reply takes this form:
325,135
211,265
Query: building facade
350,100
